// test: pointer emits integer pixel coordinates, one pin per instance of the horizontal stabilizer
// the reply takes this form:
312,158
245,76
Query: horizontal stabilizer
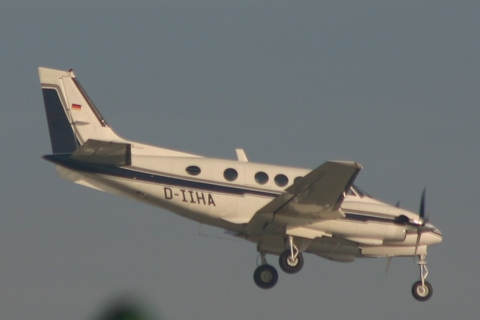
104,152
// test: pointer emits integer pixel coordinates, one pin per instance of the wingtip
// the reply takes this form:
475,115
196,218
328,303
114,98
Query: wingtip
348,163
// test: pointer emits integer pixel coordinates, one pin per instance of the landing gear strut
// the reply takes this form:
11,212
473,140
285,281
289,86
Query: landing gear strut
265,276
422,290
291,261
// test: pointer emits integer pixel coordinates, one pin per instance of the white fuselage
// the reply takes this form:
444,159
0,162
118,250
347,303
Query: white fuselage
208,197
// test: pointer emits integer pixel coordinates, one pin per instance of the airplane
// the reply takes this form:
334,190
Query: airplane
285,211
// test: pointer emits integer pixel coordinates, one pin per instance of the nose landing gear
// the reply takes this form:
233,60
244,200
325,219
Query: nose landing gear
422,290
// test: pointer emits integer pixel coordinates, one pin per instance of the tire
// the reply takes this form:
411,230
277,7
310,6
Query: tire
289,266
422,294
265,276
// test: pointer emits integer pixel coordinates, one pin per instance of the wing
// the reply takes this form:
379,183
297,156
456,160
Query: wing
318,195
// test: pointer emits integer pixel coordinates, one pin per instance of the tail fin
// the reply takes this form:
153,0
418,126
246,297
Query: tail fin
71,115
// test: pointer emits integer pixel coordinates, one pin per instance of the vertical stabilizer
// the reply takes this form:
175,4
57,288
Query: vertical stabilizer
71,115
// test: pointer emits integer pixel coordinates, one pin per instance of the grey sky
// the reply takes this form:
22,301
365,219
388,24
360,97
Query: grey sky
392,85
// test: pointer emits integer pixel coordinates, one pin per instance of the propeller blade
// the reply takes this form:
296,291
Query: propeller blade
388,265
421,226
422,206
419,235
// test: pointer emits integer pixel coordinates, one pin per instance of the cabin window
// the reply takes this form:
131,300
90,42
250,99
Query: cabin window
193,170
281,180
296,179
230,174
261,177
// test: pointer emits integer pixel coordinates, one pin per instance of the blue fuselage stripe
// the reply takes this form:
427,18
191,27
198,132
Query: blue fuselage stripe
114,171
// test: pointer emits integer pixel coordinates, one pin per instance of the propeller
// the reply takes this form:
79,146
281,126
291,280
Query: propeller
422,222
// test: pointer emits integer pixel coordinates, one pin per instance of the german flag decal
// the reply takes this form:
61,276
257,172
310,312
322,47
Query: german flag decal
76,107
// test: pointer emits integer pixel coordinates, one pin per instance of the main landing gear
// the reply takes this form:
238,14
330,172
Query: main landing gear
290,261
265,276
422,290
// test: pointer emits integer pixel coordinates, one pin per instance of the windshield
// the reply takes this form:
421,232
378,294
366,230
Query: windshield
356,190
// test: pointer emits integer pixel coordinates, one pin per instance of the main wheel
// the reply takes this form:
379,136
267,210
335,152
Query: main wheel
289,265
422,293
265,276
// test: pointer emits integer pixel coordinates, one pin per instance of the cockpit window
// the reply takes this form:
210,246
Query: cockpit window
358,191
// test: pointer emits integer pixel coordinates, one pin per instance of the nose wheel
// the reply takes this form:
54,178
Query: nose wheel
422,290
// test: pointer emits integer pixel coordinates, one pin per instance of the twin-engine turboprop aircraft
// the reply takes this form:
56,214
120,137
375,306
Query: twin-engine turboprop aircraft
285,211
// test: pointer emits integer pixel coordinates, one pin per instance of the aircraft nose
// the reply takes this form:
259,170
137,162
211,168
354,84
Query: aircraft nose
431,235
435,236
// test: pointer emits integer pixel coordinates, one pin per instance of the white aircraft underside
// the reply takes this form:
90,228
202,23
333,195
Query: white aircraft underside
284,210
